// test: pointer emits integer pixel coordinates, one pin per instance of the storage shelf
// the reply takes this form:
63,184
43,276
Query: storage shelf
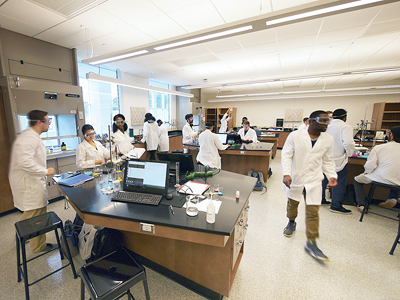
390,121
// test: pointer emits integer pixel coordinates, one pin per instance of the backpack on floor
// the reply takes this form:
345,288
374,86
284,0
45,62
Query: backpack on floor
106,240
260,180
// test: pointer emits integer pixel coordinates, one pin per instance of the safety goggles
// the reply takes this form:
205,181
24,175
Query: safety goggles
322,120
48,121
92,133
120,122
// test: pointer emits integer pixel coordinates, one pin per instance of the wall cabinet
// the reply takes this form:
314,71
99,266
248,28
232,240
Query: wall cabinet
212,115
385,115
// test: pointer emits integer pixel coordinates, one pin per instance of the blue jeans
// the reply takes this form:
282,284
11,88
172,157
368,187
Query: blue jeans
360,193
339,190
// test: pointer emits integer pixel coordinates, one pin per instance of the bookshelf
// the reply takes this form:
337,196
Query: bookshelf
385,115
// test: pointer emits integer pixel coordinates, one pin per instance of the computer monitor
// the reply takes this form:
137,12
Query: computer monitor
223,137
185,161
144,176
234,139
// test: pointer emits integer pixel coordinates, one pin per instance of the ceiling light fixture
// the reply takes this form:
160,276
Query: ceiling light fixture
376,71
205,37
321,11
95,77
122,56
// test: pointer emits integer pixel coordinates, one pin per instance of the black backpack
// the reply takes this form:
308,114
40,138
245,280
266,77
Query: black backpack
260,185
106,240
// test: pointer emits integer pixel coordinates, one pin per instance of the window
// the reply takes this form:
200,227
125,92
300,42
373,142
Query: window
101,99
159,102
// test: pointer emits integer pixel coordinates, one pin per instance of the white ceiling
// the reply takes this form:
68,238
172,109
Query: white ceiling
363,39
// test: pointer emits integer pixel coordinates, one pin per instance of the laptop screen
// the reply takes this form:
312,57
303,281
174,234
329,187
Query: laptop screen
222,137
185,161
146,177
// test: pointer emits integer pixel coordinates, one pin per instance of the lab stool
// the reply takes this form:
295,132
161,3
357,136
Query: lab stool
397,240
31,228
112,276
368,201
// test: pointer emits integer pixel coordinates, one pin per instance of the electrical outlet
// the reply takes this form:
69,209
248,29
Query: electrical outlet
150,228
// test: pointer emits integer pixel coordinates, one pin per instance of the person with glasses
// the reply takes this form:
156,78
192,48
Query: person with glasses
28,171
90,153
383,166
306,156
188,132
120,135
343,148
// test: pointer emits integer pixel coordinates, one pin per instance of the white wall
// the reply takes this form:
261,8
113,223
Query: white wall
265,112
183,107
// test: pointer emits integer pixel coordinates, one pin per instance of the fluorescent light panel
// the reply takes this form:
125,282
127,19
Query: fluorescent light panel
135,85
122,56
205,37
321,11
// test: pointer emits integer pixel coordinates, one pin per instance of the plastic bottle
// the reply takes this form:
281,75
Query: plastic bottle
210,212
63,146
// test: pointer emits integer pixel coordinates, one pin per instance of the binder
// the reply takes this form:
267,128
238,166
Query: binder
76,180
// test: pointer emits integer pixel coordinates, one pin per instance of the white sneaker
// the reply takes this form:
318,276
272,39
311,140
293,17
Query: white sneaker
389,203
360,208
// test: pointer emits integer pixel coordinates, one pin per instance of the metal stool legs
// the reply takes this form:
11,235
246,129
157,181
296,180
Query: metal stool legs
397,240
368,201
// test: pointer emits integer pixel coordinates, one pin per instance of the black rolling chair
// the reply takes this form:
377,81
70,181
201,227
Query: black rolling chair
112,276
31,228
368,201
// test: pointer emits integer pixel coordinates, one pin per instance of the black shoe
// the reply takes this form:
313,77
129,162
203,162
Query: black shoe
325,202
341,210
289,229
312,249
48,247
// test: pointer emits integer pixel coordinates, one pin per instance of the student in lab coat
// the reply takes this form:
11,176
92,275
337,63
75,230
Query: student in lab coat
150,135
224,120
188,133
383,166
306,155
343,148
209,145
28,171
305,124
247,134
120,134
90,153
163,146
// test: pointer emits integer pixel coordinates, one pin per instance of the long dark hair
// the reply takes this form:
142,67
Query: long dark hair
115,127
148,117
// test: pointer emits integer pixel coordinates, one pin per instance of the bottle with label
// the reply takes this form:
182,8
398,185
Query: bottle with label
63,146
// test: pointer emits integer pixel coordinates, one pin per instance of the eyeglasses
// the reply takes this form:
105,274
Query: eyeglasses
322,120
93,133
120,122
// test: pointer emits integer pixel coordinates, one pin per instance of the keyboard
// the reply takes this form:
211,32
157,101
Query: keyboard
131,197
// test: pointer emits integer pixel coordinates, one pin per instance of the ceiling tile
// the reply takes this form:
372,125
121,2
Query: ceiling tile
261,49
388,12
197,16
298,30
18,26
100,20
348,34
234,10
172,5
223,45
257,38
160,28
132,37
231,54
282,4
193,51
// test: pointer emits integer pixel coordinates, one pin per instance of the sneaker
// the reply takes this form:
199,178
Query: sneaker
389,203
360,208
312,249
325,202
48,247
341,210
289,229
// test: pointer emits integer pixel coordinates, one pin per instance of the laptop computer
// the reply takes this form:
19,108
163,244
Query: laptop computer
223,137
145,182
186,164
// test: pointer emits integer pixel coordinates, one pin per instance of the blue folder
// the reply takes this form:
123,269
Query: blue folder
76,180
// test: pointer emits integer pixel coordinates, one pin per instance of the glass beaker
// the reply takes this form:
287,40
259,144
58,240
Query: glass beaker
192,209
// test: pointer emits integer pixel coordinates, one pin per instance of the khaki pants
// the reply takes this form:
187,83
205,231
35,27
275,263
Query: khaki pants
37,243
312,217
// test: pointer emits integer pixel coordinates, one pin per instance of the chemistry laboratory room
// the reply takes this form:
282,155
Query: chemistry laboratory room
202,149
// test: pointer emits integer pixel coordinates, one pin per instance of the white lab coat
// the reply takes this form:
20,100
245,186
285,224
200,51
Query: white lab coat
150,135
250,135
209,145
188,134
86,154
164,139
383,164
305,165
28,169
343,143
123,141
224,123
302,126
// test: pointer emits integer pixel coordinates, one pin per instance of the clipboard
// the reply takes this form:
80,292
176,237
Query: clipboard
193,188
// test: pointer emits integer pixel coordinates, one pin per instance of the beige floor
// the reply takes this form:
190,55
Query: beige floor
273,266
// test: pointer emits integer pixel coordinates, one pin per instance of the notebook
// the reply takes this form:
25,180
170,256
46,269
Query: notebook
76,180
145,176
